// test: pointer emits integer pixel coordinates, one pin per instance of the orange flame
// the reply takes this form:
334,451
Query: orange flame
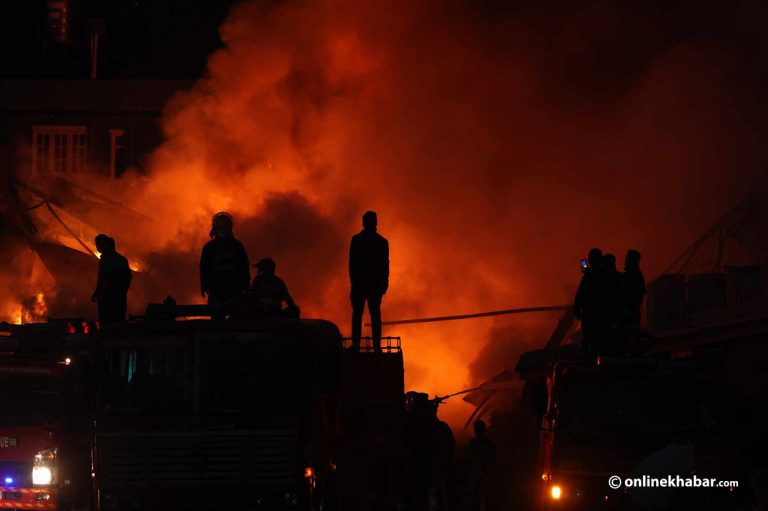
34,309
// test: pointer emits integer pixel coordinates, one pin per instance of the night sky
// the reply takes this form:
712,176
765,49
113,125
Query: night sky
140,38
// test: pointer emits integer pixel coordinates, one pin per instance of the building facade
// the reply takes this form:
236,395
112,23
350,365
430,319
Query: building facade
66,127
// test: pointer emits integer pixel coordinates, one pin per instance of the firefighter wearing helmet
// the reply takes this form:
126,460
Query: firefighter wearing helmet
224,269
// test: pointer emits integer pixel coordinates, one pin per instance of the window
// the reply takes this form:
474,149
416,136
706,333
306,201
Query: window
59,149
116,156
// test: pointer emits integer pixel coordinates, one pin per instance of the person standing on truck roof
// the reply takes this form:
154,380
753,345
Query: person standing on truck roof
587,303
610,307
269,291
632,289
112,283
632,296
224,271
611,285
369,278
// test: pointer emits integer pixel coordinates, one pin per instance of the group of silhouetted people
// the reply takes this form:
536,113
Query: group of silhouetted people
225,277
608,303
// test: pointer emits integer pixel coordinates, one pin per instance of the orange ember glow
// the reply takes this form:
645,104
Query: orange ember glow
33,309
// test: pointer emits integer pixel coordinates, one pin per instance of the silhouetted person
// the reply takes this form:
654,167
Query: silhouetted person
442,462
632,296
224,271
608,262
369,278
113,282
587,303
483,451
609,284
632,290
268,291
418,450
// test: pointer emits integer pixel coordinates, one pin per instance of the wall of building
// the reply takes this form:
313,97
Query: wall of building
131,107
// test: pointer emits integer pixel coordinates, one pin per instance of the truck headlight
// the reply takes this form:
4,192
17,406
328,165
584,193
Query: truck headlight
42,475
42,470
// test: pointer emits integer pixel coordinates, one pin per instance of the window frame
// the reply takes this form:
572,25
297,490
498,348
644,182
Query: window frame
50,157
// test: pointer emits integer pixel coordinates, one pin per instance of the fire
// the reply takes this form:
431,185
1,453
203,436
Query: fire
34,309
133,264
305,121
12,312
494,165
40,308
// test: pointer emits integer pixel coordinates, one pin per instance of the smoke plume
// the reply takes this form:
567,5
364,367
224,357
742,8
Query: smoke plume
498,142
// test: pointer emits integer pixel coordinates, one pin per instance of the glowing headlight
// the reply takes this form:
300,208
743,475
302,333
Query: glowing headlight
556,492
42,471
42,475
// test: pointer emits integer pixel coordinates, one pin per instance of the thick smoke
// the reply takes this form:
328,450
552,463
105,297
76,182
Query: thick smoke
498,141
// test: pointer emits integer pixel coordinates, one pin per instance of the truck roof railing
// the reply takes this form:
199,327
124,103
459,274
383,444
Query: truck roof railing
388,344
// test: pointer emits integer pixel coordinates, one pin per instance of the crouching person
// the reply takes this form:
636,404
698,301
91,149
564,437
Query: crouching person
268,292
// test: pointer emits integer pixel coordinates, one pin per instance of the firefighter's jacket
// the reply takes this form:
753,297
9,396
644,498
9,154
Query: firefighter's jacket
224,267
114,278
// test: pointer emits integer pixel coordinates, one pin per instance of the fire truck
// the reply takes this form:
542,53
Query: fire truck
696,394
603,420
242,413
44,427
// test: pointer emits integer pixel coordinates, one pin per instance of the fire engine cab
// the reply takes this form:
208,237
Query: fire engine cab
177,410
44,439
199,412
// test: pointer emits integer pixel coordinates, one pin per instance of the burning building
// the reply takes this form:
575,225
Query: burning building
497,141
